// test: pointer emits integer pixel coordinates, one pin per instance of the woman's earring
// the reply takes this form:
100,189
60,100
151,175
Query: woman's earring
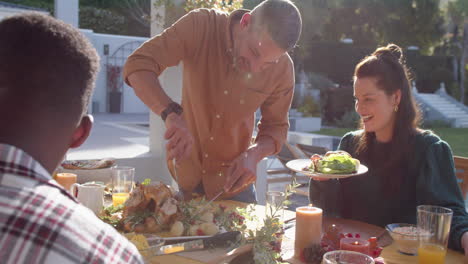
396,108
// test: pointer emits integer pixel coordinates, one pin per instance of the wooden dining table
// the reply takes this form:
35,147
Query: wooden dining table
390,253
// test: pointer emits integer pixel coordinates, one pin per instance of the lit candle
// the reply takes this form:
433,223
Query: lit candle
65,179
355,244
308,228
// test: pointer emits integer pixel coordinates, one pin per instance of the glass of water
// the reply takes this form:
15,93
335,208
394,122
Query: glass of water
346,257
275,204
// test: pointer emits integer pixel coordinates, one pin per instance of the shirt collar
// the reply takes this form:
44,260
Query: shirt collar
21,163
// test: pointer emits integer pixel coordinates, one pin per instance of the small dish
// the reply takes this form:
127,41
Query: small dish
405,236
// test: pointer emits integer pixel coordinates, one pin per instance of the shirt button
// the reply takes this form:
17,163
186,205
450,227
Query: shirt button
206,155
220,174
226,92
211,138
203,171
218,116
242,101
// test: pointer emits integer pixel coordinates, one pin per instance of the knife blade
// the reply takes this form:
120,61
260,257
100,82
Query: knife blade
175,170
216,241
201,209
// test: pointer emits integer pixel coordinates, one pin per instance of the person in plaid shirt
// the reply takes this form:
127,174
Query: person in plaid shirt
47,73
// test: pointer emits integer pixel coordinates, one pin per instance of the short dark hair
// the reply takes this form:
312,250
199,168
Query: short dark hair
281,19
45,64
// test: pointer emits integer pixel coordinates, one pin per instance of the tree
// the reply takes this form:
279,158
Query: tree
136,15
457,11
174,9
44,4
462,5
314,15
101,20
370,22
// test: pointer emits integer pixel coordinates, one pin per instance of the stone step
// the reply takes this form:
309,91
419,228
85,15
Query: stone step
435,100
451,109
457,117
453,114
445,105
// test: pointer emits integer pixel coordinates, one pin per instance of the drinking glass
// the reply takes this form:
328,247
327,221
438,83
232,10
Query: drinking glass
434,229
275,204
65,179
346,257
122,182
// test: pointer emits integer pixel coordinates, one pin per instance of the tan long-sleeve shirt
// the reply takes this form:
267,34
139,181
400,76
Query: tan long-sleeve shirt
219,101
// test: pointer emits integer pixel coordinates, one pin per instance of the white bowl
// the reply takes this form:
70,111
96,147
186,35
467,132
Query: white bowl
406,239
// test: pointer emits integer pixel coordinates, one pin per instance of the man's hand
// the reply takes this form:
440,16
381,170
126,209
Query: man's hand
241,173
180,140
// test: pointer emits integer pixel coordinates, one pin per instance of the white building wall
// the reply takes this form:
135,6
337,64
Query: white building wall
67,10
131,103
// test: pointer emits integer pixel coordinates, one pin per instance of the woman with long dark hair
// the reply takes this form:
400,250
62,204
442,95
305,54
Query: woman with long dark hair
408,166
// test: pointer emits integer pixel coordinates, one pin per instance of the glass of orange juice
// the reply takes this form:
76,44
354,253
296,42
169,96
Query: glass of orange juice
433,233
122,183
65,179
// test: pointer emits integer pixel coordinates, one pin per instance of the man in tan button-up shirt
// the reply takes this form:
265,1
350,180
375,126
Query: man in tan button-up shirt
232,65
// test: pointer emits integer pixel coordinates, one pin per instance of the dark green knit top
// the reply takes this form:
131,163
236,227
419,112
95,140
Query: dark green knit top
428,178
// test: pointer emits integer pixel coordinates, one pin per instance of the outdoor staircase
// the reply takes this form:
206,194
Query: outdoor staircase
441,106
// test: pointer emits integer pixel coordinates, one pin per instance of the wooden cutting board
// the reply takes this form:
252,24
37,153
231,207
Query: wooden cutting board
224,255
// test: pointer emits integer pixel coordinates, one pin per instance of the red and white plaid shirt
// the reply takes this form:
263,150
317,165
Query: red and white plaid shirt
41,223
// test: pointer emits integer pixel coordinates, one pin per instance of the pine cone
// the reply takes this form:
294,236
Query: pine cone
313,254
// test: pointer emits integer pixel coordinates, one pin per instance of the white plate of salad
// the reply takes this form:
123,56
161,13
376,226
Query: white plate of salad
332,165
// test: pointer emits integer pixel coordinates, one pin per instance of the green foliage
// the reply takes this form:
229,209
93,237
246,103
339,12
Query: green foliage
349,119
101,20
223,5
371,22
461,5
44,4
266,240
309,107
456,137
146,182
109,216
436,124
250,4
175,11
337,101
319,81
430,71
335,60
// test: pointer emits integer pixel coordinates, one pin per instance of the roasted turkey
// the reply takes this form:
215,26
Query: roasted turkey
150,208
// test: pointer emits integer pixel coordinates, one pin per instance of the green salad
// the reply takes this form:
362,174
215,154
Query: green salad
337,163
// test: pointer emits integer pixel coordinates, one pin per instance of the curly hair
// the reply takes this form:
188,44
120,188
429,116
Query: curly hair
46,65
